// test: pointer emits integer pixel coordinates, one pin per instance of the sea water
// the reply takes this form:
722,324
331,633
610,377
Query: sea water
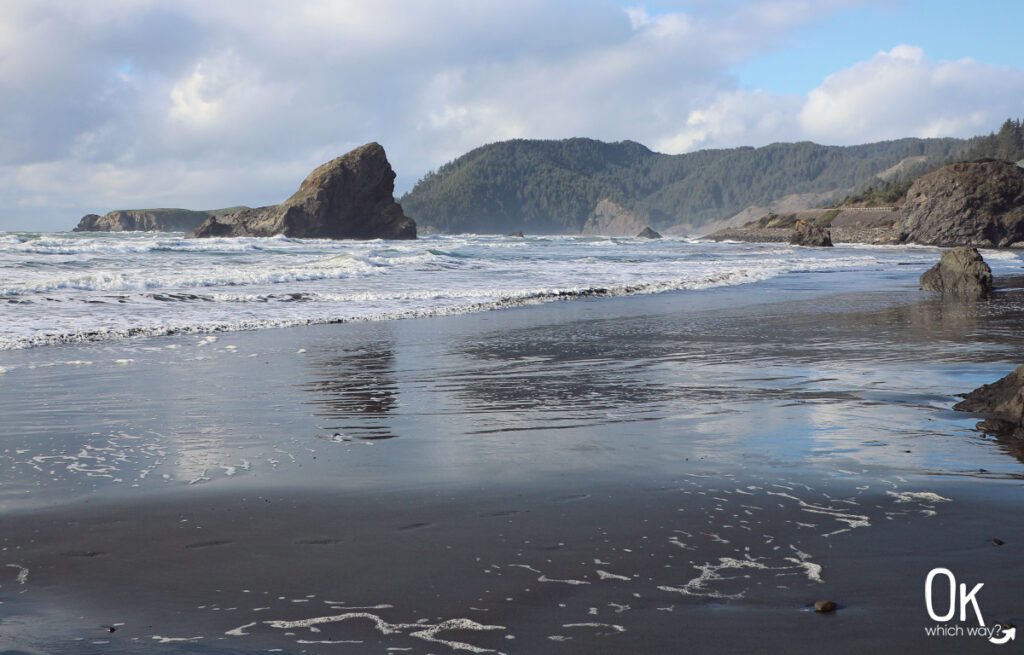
73,287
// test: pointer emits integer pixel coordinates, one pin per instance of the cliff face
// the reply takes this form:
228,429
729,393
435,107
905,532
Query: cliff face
977,204
350,197
145,220
612,219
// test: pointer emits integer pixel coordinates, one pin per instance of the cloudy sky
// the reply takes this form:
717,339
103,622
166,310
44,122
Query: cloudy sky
112,104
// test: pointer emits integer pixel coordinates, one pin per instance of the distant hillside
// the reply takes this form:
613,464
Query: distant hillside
554,186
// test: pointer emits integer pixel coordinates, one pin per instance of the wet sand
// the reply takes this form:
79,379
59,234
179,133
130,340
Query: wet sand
682,472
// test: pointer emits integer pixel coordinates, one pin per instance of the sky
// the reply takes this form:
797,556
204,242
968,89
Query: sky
116,104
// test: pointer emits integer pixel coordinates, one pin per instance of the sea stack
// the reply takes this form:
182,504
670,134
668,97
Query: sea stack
351,197
961,272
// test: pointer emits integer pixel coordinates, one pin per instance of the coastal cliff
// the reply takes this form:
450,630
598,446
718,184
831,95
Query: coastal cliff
149,220
978,204
350,197
609,218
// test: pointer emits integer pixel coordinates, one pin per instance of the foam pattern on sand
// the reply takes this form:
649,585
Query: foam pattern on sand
723,547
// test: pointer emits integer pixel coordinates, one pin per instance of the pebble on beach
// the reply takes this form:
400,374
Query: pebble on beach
824,606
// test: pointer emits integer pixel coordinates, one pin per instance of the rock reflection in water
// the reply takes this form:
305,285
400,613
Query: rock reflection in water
356,391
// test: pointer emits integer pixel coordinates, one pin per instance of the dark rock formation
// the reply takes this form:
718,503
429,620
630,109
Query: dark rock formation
609,218
961,272
1002,402
806,233
845,225
966,204
648,233
350,197
88,223
149,220
517,233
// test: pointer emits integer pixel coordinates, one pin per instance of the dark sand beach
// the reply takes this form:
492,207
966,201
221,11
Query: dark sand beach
671,473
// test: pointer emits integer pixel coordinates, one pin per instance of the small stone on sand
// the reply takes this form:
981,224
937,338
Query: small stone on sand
824,606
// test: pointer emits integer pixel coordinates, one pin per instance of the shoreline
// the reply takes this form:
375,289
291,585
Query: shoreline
611,474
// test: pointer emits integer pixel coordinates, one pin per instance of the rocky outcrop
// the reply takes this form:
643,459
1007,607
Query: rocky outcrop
1002,402
611,219
966,204
149,220
961,272
648,233
806,233
845,225
351,197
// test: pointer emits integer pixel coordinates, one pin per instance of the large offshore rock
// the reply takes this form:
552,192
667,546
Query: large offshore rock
351,197
961,272
966,204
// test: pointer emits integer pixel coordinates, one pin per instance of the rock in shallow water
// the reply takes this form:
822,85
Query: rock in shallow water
351,197
961,272
1002,401
824,606
806,233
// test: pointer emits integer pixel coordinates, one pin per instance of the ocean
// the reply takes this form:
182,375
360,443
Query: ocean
71,287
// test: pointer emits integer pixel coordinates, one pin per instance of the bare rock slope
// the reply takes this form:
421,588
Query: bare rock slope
966,204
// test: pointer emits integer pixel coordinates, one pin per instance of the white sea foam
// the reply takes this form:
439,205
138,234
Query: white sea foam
22,576
605,575
924,497
61,288
421,630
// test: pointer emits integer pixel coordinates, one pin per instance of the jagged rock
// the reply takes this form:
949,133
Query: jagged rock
350,197
806,233
966,204
1002,402
149,220
609,218
517,233
648,233
961,272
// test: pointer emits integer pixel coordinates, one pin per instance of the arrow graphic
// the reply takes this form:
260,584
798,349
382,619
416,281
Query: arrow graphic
1008,634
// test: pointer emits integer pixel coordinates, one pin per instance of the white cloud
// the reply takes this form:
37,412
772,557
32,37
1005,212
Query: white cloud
903,93
115,103
894,94
736,118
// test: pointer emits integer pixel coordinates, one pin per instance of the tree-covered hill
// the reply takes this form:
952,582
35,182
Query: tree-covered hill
1007,144
552,186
